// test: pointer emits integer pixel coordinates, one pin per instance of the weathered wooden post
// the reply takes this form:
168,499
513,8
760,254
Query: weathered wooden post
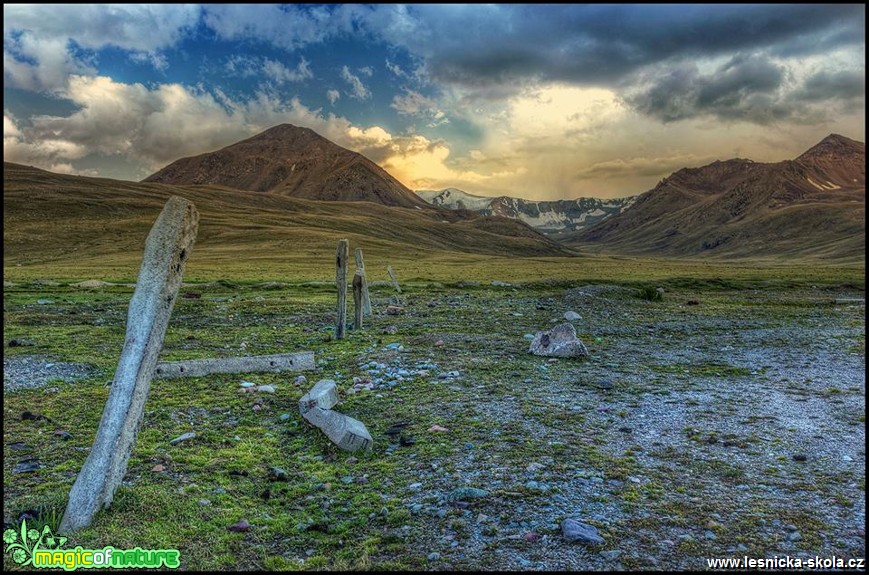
341,279
357,300
366,299
166,250
392,277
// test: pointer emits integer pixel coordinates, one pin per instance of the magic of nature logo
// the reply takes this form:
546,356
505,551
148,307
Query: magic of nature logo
30,547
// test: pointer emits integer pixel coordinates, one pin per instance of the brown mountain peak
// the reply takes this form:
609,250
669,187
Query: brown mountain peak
289,160
834,145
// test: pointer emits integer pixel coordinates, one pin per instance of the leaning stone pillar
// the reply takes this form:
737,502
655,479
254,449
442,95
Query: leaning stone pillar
166,251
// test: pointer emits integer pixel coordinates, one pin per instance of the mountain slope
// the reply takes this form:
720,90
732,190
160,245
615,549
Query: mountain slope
550,217
80,221
291,161
811,206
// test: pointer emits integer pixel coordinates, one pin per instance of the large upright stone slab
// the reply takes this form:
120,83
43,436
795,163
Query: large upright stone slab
166,251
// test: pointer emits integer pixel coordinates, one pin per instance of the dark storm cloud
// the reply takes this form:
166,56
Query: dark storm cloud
841,84
746,88
603,44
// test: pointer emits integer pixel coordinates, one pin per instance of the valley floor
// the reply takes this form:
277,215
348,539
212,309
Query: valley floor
728,427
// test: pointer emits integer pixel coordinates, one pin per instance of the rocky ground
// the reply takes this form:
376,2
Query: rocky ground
714,423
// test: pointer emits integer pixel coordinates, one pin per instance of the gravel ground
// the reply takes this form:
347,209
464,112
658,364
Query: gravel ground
745,432
728,428
25,372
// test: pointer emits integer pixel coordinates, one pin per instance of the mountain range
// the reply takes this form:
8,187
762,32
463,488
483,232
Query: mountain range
813,206
550,217
290,188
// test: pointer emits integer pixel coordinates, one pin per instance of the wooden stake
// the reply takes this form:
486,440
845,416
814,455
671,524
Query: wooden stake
341,279
392,277
366,299
357,299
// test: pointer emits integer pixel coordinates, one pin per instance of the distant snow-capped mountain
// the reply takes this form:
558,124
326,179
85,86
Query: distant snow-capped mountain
552,217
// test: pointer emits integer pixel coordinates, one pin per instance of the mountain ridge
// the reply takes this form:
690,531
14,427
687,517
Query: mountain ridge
739,208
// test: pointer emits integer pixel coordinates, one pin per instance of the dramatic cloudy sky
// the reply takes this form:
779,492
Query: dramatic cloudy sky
542,102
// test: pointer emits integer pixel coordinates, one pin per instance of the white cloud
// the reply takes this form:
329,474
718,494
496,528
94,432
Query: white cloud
287,27
37,38
366,70
395,69
357,88
280,73
333,96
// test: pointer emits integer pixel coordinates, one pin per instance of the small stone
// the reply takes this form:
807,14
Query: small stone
571,316
605,384
278,474
531,537
573,530
183,437
795,536
266,388
240,527
347,479
611,555
248,384
466,493
709,535
394,310
847,458
300,380
439,343
434,556
218,491
51,390
799,457
437,428
63,435
158,468
284,417
25,467
44,301
204,502
528,336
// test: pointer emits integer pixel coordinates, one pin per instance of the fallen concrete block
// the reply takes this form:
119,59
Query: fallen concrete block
347,433
259,363
324,395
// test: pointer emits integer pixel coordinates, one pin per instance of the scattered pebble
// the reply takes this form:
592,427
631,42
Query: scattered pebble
574,531
437,428
466,493
183,437
278,474
266,388
26,466
240,527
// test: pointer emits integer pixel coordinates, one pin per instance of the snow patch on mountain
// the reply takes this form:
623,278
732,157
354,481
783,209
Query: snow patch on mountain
552,217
